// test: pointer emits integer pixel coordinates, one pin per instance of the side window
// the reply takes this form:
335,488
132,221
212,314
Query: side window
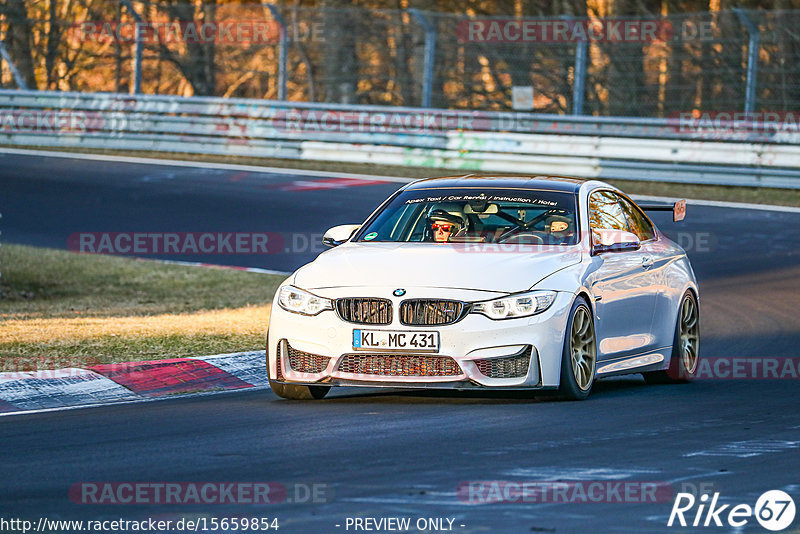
637,222
605,213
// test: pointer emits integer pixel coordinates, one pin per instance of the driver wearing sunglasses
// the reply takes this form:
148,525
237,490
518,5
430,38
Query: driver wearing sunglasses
443,225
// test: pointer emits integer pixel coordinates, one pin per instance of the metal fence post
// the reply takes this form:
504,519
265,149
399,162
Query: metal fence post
282,51
430,51
12,67
578,89
138,48
752,59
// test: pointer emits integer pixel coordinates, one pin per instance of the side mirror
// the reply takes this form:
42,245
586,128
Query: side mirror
614,241
339,234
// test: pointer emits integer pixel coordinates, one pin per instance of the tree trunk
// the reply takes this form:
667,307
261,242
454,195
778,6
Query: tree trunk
18,38
628,92
197,66
341,65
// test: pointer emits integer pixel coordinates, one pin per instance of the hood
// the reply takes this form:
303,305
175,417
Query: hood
469,266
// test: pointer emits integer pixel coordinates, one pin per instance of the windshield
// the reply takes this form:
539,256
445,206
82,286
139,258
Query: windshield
461,215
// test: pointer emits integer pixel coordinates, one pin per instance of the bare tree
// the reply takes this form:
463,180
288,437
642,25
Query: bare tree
340,61
197,64
18,38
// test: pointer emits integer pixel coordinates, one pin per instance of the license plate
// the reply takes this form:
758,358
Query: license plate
395,340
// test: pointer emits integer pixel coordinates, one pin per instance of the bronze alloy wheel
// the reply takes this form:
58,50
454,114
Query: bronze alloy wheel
685,357
582,348
689,335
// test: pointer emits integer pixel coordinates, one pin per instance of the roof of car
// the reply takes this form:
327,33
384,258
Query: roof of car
541,182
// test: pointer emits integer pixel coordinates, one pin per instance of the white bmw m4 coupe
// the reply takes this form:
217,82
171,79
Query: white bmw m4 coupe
480,282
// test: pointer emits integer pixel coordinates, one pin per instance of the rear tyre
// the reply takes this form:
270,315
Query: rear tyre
298,392
579,356
685,356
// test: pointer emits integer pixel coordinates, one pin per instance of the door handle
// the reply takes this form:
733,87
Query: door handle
647,262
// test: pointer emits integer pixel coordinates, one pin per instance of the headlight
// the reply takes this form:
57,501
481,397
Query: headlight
519,305
295,300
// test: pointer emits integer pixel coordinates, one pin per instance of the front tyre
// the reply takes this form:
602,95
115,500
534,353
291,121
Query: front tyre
298,392
685,346
579,356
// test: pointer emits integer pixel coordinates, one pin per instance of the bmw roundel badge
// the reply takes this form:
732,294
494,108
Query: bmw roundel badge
399,292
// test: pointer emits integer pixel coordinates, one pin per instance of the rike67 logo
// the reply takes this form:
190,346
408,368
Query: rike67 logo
774,510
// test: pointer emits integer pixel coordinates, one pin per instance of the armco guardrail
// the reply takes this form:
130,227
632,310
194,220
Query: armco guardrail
680,150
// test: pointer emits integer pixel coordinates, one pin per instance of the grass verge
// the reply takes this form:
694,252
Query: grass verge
60,309
754,195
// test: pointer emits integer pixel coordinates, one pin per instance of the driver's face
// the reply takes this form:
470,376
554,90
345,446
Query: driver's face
441,232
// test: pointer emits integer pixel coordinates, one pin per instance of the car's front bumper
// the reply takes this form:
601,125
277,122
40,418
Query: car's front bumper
469,342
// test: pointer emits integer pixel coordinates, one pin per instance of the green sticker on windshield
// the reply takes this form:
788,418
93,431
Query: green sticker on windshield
370,236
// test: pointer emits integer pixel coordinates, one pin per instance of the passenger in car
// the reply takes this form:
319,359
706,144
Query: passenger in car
560,229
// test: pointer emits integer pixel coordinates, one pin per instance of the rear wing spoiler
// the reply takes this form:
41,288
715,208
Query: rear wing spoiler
678,208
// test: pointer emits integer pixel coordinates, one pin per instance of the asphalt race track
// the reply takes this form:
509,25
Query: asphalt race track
405,454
